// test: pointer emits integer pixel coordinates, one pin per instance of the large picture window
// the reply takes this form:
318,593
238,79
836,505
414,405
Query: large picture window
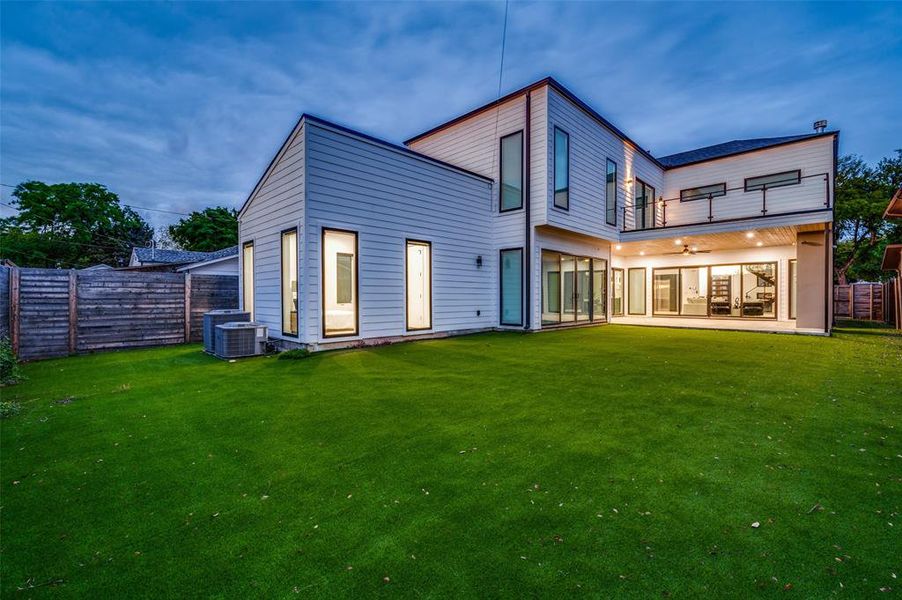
610,193
512,286
561,169
290,282
744,290
419,285
512,172
339,284
574,288
636,295
247,278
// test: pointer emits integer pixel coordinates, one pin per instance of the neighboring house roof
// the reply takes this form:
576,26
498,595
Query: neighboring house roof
681,159
98,267
558,87
211,261
894,208
147,256
892,257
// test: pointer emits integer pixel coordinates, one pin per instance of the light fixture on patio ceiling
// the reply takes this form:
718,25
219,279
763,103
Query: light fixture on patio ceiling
687,251
678,242
759,244
750,234
618,247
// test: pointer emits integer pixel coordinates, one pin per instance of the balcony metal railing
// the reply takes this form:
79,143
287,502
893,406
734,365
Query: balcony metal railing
810,194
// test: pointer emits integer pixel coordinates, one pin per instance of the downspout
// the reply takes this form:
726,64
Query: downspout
527,259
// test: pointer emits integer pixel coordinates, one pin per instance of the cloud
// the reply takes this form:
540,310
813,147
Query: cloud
181,106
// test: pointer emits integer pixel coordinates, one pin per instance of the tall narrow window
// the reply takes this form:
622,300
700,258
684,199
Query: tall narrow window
793,288
610,193
636,296
247,278
419,285
561,169
599,289
512,172
617,292
644,203
512,286
339,290
290,282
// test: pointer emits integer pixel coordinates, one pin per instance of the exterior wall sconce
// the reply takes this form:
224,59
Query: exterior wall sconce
479,262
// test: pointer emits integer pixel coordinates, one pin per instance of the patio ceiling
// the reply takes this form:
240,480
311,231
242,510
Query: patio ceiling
730,240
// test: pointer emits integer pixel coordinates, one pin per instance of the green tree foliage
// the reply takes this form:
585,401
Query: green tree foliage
862,193
207,230
70,225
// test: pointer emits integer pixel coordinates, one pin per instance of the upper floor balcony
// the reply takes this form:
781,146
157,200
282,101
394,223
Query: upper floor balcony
793,193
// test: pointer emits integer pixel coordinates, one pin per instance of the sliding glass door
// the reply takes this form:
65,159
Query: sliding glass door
573,288
739,290
617,292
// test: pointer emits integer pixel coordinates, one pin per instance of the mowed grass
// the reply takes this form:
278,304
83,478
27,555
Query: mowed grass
617,460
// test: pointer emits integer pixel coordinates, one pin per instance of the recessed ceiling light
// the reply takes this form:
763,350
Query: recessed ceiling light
759,244
750,234
618,247
678,242
642,253
695,248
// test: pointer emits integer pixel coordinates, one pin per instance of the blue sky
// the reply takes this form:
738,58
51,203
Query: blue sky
180,106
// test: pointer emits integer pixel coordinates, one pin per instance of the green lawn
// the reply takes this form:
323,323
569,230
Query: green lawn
613,460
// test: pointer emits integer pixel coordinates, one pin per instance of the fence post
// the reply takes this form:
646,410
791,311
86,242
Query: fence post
187,307
73,312
14,308
851,300
871,299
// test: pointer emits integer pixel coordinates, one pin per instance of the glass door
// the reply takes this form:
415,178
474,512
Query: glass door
599,289
617,292
568,280
583,298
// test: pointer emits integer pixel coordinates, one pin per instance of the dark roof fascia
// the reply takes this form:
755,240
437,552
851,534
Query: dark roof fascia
737,153
556,86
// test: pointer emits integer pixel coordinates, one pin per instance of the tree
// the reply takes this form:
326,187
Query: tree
70,225
862,193
210,229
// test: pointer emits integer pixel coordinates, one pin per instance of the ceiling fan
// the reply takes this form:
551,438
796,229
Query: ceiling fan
686,251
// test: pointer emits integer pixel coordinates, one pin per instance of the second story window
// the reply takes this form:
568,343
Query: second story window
511,172
610,193
699,193
767,182
561,169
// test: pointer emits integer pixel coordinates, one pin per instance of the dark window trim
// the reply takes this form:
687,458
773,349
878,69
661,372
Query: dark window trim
501,286
322,282
654,271
798,180
792,268
501,171
707,314
554,170
297,239
722,192
610,161
630,293
244,246
407,243
622,291
646,186
591,259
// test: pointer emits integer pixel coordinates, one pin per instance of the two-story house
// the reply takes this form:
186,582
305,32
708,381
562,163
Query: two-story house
529,213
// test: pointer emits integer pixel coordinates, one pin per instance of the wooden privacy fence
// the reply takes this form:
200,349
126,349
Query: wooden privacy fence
864,301
54,313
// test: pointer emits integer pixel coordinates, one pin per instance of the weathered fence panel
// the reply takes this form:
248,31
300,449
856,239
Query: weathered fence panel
54,313
118,310
863,301
4,301
210,292
43,313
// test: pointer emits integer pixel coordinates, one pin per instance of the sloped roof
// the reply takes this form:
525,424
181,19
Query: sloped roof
161,256
730,148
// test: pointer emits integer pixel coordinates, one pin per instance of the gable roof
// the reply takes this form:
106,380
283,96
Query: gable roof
894,208
306,117
168,257
681,159
559,88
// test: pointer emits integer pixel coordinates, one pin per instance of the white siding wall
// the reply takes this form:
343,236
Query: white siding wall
591,144
388,195
276,205
814,158
779,254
